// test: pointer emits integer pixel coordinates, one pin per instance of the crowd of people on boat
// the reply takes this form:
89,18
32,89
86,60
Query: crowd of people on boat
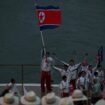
81,84
83,76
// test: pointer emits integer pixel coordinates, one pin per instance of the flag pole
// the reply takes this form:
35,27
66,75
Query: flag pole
22,78
43,42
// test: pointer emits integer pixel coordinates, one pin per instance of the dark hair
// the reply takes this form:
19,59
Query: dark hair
82,72
79,74
64,77
47,53
12,79
90,66
96,73
98,66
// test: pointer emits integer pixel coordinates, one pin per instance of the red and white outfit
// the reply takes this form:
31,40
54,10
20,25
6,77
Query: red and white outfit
64,88
45,74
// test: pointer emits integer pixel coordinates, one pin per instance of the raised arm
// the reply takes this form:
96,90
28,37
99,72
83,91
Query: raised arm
77,65
57,68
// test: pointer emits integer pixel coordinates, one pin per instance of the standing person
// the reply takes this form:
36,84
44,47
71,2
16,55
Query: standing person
64,87
73,71
81,82
78,80
96,90
46,66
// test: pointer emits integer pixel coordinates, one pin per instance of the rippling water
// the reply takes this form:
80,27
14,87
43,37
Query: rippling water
82,31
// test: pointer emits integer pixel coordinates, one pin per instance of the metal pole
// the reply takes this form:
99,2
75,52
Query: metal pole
22,79
43,42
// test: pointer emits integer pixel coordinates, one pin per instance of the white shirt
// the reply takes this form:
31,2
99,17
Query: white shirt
46,64
64,86
72,71
83,82
84,68
13,88
89,76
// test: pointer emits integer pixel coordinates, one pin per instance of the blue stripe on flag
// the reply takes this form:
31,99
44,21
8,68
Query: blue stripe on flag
48,27
47,7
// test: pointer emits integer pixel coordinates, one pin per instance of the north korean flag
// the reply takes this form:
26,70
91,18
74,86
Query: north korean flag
49,17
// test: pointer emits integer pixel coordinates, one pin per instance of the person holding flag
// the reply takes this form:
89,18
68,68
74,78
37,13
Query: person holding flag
49,17
46,66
